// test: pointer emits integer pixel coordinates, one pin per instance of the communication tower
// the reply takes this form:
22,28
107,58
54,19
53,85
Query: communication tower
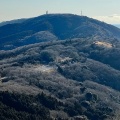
46,12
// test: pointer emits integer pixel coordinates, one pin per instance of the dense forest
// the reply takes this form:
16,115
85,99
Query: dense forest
59,75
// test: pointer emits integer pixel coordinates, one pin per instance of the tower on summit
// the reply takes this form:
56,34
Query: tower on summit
46,12
81,13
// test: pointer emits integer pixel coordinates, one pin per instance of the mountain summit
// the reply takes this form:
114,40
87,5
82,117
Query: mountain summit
56,26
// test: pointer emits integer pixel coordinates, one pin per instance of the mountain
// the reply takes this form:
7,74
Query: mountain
63,67
62,26
12,22
117,25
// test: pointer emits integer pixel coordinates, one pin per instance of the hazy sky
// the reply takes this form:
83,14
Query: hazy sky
104,10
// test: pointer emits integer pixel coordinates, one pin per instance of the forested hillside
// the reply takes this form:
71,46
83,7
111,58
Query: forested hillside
69,79
59,67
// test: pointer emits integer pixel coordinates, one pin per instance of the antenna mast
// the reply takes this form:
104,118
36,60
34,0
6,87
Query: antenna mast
46,12
81,13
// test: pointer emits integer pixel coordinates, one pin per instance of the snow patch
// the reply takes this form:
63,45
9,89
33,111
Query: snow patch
44,68
105,44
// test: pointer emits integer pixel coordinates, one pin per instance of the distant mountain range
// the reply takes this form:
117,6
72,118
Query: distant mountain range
61,26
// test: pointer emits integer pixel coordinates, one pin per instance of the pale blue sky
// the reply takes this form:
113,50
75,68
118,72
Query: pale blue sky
105,10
